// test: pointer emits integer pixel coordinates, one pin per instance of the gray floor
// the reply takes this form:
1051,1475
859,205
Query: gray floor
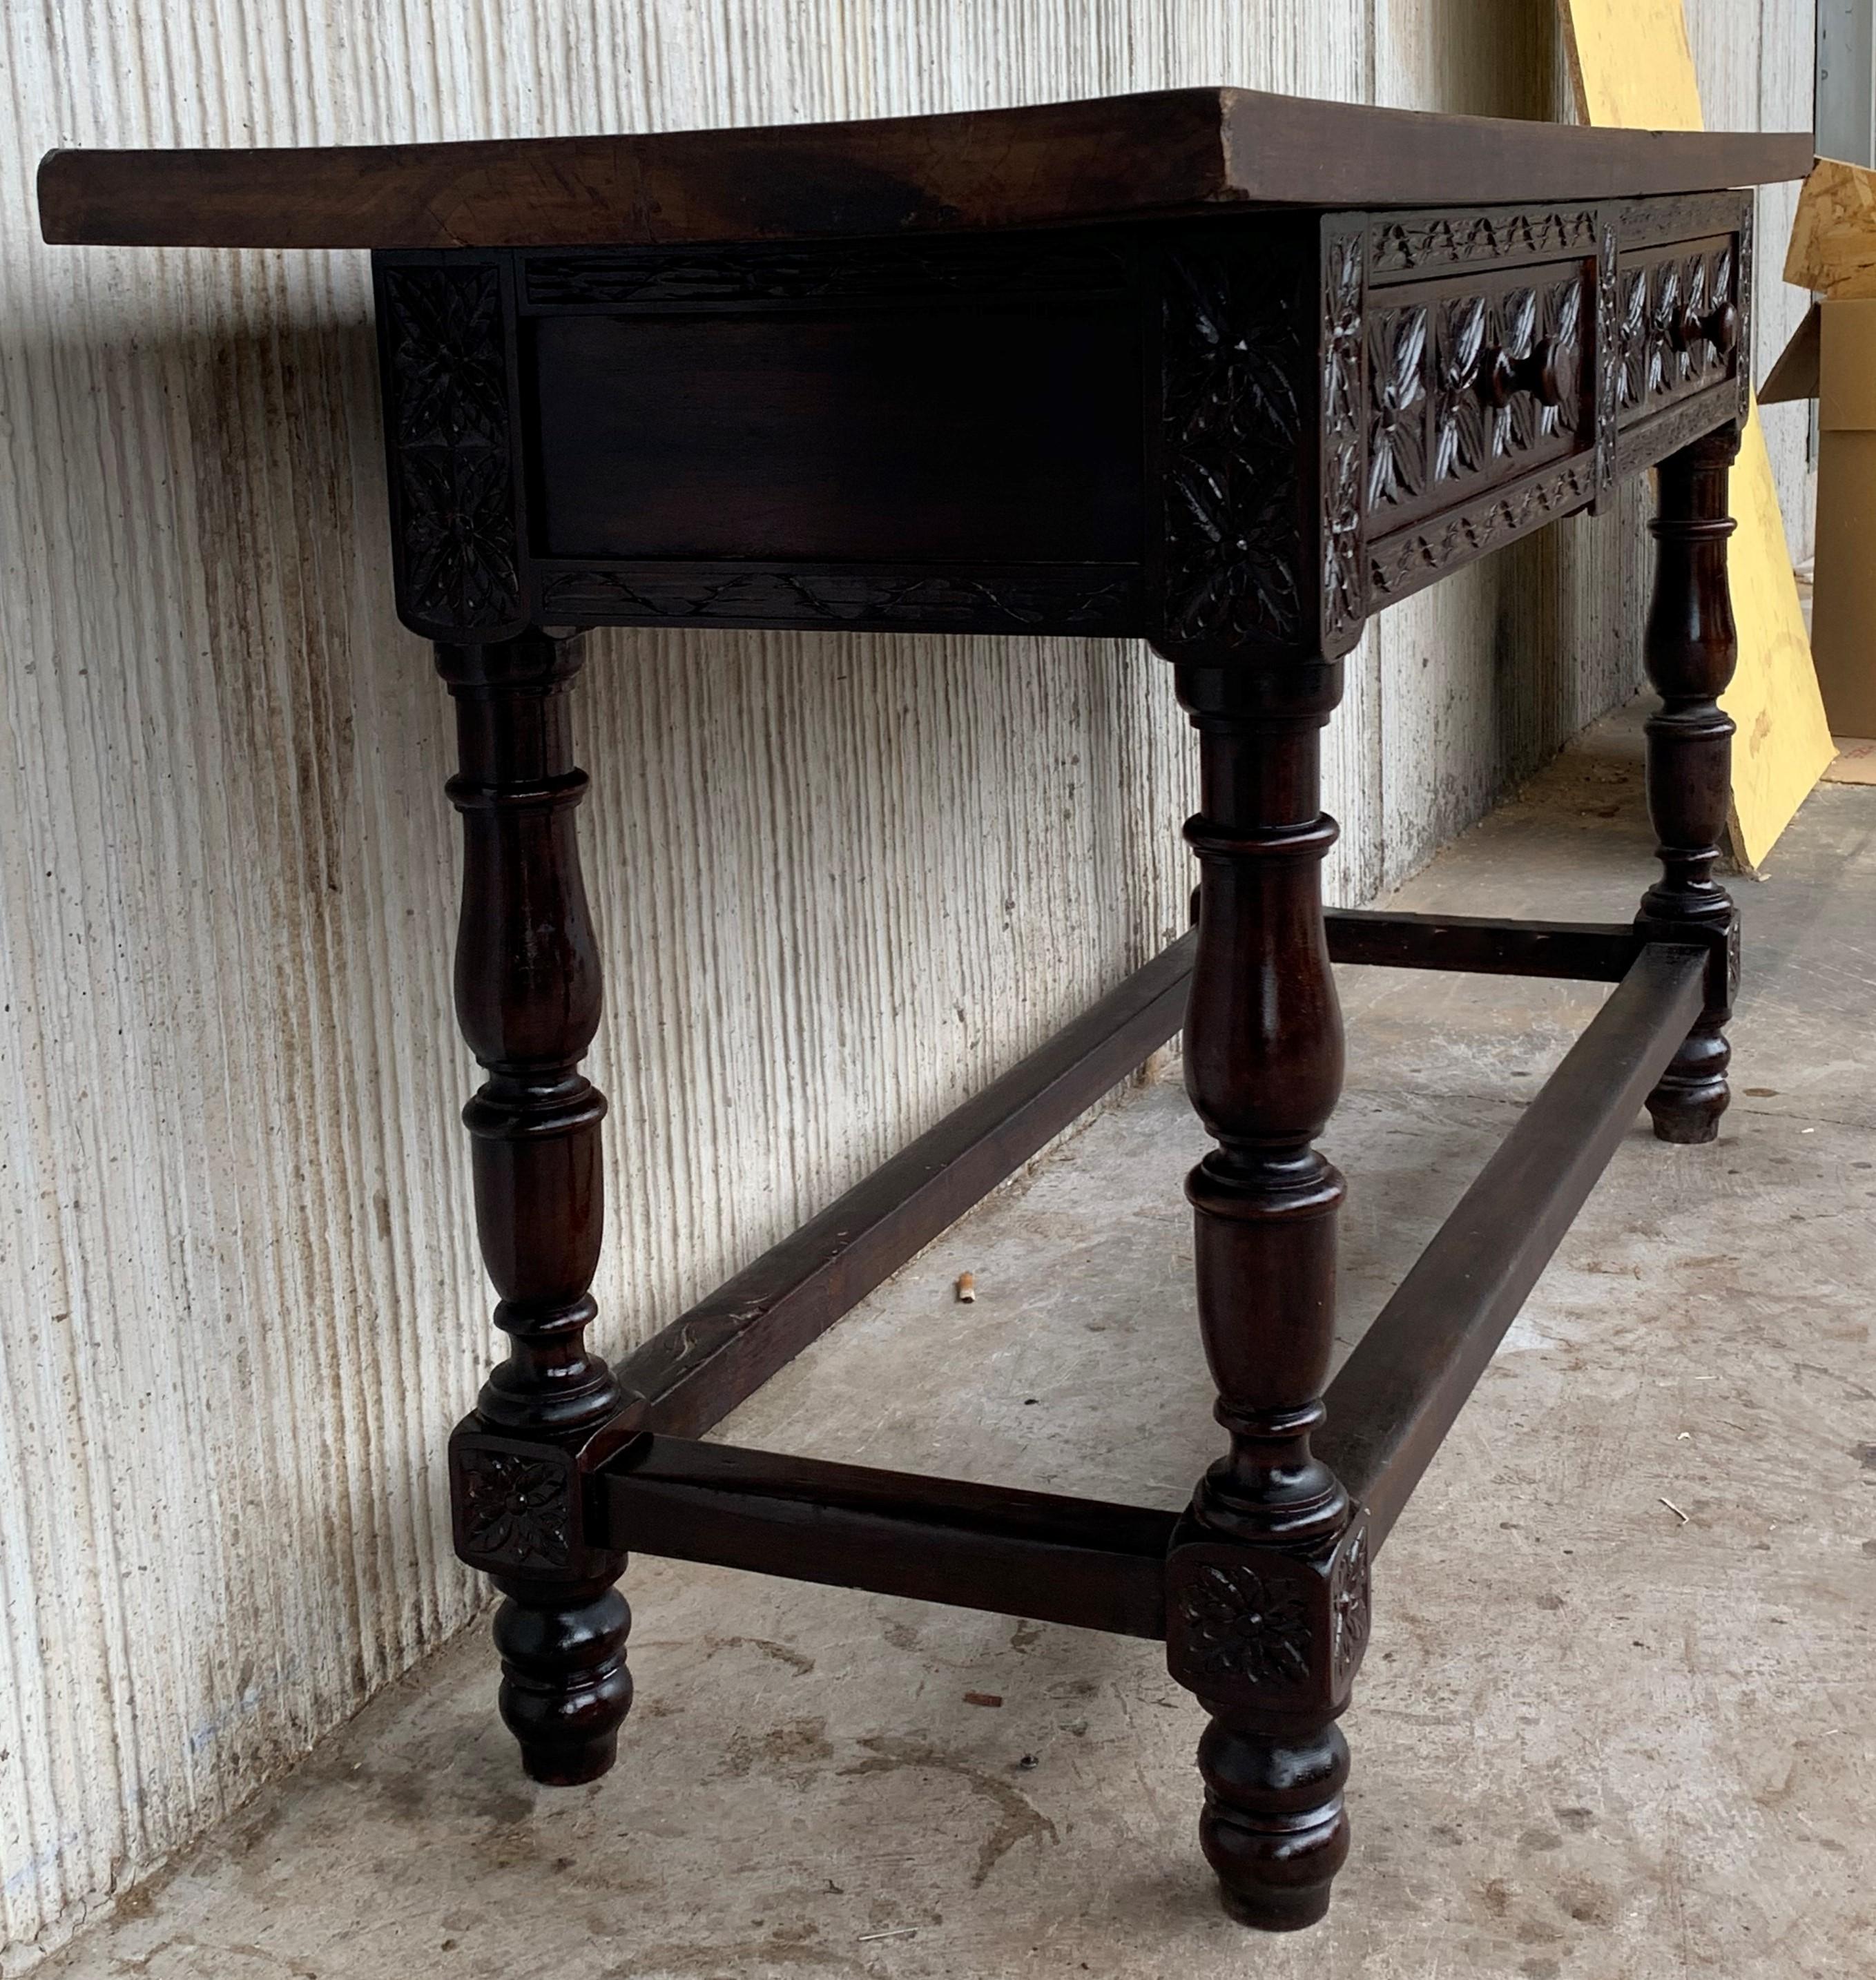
1592,1738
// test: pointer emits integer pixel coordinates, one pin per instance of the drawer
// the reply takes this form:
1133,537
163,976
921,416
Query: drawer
1475,382
1517,362
1677,324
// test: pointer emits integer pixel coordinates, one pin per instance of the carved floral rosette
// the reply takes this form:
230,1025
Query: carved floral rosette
516,1504
1261,1629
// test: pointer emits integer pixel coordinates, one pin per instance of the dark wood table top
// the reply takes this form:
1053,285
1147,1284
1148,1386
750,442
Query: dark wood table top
1173,151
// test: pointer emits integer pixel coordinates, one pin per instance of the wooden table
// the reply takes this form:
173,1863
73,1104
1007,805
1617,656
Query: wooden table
1225,371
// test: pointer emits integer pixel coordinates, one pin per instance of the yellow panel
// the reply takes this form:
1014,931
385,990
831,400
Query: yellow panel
1631,65
1784,744
1632,68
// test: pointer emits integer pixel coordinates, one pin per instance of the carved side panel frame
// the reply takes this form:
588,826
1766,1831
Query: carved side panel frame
452,442
452,329
1259,457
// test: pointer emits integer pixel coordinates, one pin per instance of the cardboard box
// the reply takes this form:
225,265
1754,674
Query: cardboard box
1832,359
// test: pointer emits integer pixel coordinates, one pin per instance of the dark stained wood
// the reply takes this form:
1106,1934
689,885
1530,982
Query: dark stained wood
1228,371
1043,431
1690,646
1398,1394
527,996
1267,1592
716,1355
1241,436
695,1371
1255,497
1037,1554
1482,945
1041,164
698,436
1650,441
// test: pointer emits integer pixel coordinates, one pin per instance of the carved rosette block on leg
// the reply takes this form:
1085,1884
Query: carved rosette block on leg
1270,1641
1690,647
527,996
1267,1582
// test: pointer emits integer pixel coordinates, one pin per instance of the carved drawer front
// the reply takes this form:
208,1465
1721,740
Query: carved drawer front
1677,303
1678,324
1474,382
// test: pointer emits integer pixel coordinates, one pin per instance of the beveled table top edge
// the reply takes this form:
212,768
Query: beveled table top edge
1133,157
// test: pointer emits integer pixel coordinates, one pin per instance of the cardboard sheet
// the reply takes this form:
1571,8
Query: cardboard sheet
1856,761
1843,610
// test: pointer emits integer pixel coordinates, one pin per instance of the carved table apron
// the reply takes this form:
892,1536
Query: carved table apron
1234,433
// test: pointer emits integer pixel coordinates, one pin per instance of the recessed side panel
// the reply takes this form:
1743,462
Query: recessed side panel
921,435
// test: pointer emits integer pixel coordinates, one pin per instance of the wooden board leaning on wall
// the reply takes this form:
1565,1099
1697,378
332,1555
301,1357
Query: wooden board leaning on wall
1631,68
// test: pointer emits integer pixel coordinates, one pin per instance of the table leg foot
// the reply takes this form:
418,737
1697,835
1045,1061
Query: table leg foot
1693,1094
1274,1827
565,1686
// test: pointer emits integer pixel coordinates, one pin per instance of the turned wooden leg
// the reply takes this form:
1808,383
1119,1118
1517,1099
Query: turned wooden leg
1267,1583
527,994
1690,648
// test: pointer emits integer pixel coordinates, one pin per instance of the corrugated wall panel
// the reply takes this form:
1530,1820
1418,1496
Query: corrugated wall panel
841,881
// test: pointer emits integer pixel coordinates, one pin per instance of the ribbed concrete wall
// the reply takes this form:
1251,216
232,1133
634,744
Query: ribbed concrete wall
840,880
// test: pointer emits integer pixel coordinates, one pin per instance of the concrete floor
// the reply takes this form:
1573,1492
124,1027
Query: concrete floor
1591,1738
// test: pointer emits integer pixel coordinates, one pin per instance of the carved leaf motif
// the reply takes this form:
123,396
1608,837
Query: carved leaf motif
1407,561
1700,358
459,537
1483,237
1688,418
1513,426
1667,304
1239,1626
1396,439
1459,424
1343,312
514,1509
1663,369
1342,515
1635,367
451,390
1469,433
448,402
1610,362
1563,324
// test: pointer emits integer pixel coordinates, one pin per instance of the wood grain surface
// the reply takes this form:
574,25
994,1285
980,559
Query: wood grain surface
1164,150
